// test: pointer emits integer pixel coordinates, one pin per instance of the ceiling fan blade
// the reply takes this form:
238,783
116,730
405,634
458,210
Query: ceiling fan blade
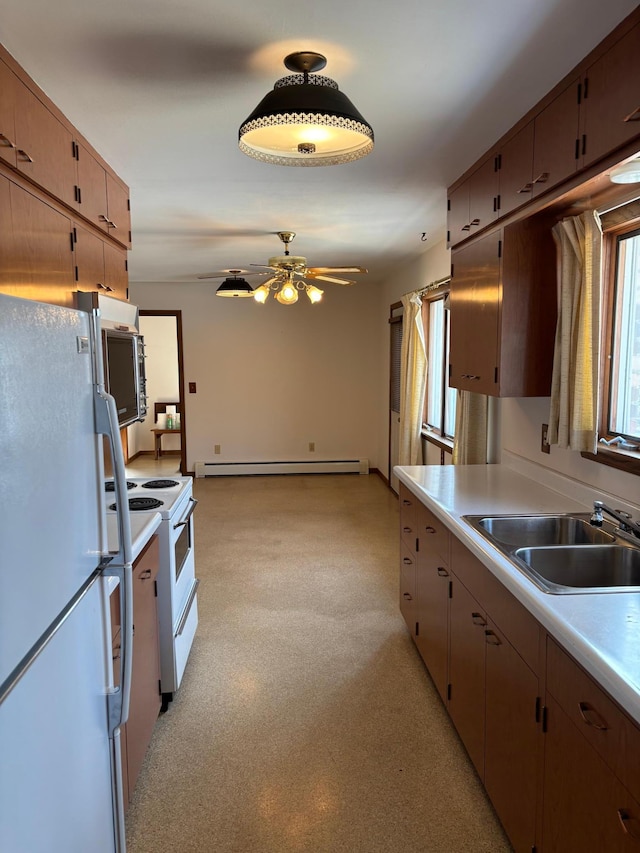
230,274
328,278
335,269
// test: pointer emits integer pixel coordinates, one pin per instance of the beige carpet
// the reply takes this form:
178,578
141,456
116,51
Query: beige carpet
306,720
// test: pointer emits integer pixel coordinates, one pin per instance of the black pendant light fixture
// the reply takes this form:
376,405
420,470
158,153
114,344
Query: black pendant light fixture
235,286
305,120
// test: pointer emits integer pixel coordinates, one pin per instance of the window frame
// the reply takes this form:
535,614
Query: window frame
435,433
624,460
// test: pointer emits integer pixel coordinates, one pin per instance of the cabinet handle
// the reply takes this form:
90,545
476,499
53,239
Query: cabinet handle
475,222
591,717
634,116
442,572
146,574
542,178
405,502
107,221
406,530
492,638
407,561
628,824
5,142
478,619
469,376
407,596
526,188
104,287
466,227
429,529
22,155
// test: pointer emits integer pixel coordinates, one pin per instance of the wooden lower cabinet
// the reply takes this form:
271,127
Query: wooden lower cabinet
432,637
146,698
467,650
408,599
512,738
586,809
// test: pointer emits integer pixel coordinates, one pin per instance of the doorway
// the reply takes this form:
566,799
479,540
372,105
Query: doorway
395,347
164,363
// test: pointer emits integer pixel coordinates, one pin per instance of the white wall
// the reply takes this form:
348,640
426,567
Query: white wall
161,368
272,378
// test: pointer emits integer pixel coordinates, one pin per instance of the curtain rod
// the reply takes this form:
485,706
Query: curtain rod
434,285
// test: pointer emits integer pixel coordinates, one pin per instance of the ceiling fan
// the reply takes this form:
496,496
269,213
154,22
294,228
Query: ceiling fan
289,274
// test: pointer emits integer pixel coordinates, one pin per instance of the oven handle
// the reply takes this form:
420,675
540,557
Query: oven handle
187,607
185,520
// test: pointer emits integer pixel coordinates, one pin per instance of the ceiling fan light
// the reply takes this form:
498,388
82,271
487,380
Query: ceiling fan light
305,120
261,293
287,295
314,294
626,173
235,287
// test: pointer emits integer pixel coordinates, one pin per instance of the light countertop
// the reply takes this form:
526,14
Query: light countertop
600,630
143,526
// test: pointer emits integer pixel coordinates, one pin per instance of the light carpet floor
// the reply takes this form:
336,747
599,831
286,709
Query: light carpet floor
306,720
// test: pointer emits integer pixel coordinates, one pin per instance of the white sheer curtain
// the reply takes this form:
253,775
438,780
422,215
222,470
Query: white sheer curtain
573,416
413,370
470,439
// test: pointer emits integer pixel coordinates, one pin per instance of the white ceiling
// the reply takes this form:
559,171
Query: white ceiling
160,88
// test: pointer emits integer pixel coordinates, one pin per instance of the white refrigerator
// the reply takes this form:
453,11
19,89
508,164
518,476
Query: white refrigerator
60,778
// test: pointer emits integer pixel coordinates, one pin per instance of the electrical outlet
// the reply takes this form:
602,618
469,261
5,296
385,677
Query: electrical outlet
545,447
216,448
312,446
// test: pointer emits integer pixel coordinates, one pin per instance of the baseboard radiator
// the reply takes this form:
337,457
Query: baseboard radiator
235,469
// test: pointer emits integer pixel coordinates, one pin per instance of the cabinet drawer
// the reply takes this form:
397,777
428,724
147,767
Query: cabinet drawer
612,734
408,599
409,504
433,534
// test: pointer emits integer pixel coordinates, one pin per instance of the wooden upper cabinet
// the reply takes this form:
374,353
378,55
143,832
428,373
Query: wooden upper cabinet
475,312
118,211
89,259
40,262
515,171
6,235
9,84
116,276
100,198
611,99
44,148
556,131
473,205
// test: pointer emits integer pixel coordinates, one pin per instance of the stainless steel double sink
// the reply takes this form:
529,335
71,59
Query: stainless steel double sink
565,553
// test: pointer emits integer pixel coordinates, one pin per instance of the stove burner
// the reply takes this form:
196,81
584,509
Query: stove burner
160,484
110,486
142,504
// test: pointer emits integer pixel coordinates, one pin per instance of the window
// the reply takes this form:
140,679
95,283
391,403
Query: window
619,423
440,399
624,382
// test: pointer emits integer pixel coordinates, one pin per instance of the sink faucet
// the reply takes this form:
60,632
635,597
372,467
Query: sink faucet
625,520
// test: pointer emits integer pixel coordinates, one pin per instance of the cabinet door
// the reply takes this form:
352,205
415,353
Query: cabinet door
116,277
92,185
432,639
555,138
458,214
475,302
483,192
8,95
611,103
408,518
512,737
7,248
145,699
408,599
119,214
515,175
466,670
585,808
42,258
89,257
44,147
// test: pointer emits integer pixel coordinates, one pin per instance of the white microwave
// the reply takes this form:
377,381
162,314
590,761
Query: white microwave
123,357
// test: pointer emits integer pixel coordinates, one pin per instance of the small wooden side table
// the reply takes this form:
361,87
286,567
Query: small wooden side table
157,437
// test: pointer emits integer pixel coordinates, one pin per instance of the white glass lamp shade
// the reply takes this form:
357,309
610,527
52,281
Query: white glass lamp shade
288,294
261,293
626,173
314,294
305,121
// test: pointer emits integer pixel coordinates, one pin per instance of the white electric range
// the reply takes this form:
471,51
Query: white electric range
172,497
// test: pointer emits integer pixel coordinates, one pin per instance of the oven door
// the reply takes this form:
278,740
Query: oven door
183,539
